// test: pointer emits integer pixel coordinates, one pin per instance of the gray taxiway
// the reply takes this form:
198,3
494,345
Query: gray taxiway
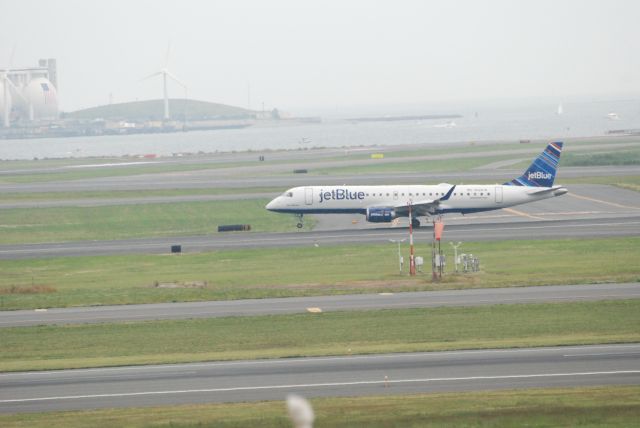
325,376
274,306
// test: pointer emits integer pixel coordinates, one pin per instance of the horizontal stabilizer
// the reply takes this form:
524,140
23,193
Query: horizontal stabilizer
543,190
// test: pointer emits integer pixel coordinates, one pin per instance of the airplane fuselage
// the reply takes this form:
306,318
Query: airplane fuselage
358,199
383,204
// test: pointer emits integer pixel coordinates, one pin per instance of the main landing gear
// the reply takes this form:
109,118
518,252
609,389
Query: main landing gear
300,224
415,223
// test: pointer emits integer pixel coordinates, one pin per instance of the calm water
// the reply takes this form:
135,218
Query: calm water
497,123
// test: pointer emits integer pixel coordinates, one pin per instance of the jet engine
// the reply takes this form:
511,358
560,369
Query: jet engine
381,214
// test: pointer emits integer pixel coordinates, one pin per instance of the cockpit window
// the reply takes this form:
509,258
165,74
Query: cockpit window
288,195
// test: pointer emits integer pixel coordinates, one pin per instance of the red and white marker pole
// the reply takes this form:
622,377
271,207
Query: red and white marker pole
412,260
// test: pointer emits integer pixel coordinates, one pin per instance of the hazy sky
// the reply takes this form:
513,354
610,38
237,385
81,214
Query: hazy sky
329,54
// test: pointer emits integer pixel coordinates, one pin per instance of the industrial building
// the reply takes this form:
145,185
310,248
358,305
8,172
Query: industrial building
29,94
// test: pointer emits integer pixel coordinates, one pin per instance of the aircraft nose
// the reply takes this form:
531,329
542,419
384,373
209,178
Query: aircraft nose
271,205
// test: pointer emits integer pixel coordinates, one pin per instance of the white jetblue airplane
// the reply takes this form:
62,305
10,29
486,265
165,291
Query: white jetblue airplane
383,204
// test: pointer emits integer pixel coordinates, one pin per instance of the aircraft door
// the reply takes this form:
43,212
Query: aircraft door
498,194
308,195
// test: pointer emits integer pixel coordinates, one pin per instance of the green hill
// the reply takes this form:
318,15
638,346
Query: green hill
154,110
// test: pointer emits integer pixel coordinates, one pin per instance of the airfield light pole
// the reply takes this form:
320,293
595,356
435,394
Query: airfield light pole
434,276
398,241
440,258
412,260
455,253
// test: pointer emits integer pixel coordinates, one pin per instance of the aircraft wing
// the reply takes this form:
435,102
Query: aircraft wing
423,207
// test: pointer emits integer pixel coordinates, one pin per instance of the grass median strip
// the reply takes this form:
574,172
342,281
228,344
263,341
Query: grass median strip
61,224
88,196
434,165
630,182
330,333
610,406
114,171
302,271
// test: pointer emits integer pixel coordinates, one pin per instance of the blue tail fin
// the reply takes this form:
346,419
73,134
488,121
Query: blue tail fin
542,171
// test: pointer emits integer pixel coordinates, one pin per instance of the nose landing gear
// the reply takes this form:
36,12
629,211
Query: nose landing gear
300,224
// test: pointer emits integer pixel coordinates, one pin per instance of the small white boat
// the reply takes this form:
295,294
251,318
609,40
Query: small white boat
450,124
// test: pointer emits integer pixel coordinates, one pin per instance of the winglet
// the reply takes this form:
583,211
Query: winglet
448,195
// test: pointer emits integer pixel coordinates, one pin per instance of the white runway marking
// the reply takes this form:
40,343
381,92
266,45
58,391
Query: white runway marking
318,385
103,165
304,360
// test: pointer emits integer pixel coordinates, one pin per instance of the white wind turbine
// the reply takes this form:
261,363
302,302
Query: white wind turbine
164,72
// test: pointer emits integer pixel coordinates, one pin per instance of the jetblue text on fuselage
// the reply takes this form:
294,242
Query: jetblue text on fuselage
340,194
539,175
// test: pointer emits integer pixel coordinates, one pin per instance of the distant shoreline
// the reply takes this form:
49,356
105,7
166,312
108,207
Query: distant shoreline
144,157
400,118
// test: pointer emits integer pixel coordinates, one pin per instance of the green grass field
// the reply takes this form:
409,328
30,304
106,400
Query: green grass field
619,157
330,333
607,406
629,182
603,157
84,173
439,165
132,194
345,269
443,149
60,224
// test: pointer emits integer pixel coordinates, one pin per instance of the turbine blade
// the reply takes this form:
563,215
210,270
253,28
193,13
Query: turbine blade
178,81
157,73
166,58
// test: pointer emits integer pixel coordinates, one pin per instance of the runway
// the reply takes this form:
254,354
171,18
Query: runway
234,178
274,306
313,377
532,229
